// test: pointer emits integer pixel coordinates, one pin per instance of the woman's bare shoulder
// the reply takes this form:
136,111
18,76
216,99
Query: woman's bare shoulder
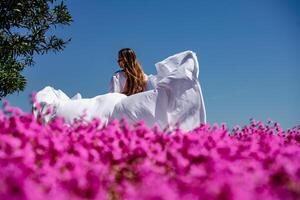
119,73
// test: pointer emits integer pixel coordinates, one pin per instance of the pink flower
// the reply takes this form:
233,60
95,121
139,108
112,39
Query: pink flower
119,160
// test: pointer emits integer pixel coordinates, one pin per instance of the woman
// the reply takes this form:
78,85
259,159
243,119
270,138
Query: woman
131,79
169,99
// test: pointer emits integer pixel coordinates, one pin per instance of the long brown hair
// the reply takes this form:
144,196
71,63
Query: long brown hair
135,82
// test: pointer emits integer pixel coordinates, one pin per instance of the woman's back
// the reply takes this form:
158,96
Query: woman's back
118,82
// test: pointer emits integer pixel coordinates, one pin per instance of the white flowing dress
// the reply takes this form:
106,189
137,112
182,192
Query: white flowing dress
173,98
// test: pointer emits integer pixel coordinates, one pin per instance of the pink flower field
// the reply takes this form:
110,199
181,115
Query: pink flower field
122,161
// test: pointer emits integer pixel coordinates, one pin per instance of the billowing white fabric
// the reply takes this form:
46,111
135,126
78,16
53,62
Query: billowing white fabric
173,98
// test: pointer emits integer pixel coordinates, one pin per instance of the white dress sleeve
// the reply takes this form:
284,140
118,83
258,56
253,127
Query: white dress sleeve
113,86
117,82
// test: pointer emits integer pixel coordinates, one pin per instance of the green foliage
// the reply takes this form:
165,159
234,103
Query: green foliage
25,30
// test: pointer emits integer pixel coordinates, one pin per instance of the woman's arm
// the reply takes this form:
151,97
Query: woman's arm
117,82
114,85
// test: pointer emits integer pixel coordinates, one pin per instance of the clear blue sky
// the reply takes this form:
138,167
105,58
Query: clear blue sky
249,52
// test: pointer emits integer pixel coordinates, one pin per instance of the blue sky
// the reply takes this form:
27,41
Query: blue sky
248,51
